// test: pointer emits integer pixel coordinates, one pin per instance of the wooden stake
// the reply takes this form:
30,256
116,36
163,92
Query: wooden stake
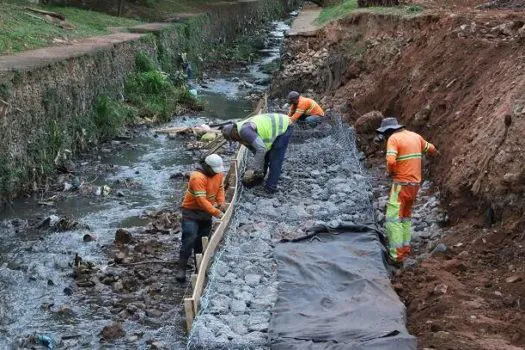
204,244
190,315
198,258
193,280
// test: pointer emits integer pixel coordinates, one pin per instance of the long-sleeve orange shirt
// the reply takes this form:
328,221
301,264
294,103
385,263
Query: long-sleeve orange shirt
305,106
404,151
204,192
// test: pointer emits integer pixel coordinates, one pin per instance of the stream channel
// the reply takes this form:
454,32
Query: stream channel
38,294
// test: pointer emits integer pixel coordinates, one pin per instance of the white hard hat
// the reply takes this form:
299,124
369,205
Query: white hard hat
215,163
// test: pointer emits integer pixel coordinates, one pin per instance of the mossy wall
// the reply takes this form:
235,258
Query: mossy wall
51,109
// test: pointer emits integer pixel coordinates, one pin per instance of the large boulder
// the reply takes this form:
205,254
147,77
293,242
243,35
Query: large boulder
369,122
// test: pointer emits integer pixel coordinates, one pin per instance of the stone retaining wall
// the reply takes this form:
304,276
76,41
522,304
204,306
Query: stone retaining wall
47,96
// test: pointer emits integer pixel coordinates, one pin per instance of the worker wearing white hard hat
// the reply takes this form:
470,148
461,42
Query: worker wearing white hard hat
203,200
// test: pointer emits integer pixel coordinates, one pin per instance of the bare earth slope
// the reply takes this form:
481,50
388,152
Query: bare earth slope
456,75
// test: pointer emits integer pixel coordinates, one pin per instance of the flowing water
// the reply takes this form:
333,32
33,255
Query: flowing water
35,265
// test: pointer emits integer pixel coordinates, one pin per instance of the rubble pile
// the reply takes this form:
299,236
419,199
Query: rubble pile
306,62
321,182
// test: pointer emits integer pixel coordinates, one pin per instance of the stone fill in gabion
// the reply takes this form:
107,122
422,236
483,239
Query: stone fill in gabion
322,182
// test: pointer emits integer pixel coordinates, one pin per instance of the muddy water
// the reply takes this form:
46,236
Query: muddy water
35,264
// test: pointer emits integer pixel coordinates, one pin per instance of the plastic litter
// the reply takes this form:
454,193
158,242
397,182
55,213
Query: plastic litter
44,340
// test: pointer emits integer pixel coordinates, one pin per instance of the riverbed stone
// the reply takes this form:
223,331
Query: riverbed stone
252,279
113,331
238,306
122,236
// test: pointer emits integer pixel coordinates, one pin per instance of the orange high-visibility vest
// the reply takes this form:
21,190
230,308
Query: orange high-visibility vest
305,106
404,152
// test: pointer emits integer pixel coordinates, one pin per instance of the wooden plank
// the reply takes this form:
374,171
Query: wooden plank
204,260
48,13
190,315
204,243
193,280
198,261
178,129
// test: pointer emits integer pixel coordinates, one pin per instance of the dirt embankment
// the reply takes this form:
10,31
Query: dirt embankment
459,80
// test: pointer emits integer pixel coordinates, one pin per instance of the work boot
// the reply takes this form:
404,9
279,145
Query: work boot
180,276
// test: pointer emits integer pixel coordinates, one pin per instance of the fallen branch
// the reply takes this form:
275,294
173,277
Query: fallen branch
181,129
48,13
148,262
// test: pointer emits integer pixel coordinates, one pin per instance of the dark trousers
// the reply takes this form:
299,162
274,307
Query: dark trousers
192,233
274,158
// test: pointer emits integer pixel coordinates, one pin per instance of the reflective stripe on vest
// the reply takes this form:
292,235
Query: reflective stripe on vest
313,104
269,126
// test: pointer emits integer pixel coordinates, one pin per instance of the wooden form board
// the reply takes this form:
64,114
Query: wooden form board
192,304
198,282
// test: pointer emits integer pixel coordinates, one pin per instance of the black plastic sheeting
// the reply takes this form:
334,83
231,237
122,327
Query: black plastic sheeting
335,293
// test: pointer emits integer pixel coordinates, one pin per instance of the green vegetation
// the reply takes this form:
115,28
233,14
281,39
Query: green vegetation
349,7
22,30
162,9
152,92
110,116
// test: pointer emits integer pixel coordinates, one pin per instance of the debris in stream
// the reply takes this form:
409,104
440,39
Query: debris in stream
88,238
61,224
122,236
163,221
44,340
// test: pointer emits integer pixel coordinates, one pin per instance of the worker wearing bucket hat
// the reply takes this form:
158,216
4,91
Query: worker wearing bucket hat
203,200
404,153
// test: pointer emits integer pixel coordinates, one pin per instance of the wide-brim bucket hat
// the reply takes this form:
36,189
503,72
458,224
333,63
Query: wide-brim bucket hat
389,124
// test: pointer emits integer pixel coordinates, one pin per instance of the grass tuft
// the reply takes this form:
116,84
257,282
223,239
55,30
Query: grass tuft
349,7
22,30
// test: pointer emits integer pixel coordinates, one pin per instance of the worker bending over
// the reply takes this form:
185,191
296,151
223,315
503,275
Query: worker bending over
267,136
203,199
404,152
304,109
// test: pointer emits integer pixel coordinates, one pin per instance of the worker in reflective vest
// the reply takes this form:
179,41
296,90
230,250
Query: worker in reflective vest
404,152
203,200
267,136
304,109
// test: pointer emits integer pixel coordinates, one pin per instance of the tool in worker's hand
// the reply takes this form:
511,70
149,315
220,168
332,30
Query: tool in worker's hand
252,178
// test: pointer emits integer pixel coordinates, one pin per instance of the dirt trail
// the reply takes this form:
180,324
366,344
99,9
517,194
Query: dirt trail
305,23
41,57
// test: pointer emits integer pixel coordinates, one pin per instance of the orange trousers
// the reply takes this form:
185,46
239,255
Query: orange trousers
398,223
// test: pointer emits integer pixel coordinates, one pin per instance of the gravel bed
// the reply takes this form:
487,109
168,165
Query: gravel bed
322,182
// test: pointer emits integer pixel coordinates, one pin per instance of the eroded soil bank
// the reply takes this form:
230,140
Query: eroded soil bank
458,79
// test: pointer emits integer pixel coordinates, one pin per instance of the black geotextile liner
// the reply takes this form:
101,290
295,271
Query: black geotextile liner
335,293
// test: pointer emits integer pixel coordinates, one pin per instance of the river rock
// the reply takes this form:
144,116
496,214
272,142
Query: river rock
238,306
157,345
122,236
153,313
252,279
113,331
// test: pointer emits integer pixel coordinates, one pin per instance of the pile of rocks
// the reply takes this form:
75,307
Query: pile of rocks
321,182
306,62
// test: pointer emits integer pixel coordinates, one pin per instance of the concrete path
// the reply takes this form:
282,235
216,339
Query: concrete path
40,57
305,24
